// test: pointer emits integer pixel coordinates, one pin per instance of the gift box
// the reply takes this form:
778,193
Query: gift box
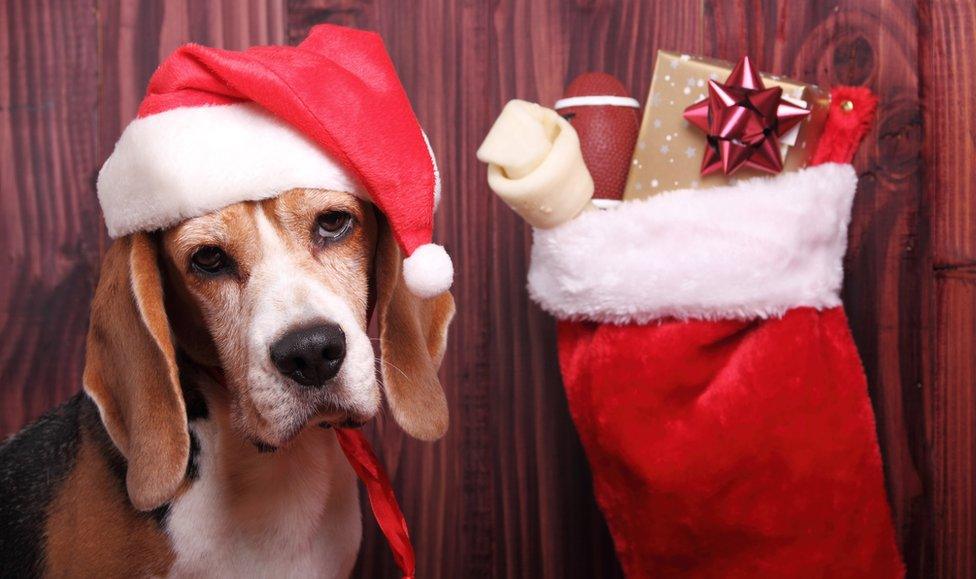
669,150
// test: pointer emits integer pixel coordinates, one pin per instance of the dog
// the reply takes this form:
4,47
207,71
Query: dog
220,354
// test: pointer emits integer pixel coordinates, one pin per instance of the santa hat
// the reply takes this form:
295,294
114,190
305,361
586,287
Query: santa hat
218,127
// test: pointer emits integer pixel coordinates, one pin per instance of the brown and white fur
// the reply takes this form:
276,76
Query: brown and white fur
190,453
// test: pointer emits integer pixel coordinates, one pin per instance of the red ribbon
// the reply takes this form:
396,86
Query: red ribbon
381,497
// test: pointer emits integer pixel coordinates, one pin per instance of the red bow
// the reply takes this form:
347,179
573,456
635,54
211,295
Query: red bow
743,121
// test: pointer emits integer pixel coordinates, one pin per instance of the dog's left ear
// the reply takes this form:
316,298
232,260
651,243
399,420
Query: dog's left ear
131,372
413,335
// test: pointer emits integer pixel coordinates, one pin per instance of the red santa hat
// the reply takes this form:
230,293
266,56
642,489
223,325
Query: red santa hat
218,127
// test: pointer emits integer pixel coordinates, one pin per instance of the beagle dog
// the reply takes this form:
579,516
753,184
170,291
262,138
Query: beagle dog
220,352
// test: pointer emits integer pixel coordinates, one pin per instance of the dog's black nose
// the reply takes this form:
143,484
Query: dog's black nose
310,356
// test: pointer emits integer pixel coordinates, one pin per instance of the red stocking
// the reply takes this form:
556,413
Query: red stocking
712,376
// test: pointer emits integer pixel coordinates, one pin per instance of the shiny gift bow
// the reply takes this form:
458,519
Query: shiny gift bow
743,121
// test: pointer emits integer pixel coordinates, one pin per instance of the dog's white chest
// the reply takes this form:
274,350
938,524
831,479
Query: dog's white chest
294,513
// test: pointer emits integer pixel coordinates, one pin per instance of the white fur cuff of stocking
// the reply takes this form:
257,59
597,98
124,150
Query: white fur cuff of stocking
751,250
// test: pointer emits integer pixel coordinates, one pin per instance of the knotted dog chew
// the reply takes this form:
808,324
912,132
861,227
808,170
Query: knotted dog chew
535,164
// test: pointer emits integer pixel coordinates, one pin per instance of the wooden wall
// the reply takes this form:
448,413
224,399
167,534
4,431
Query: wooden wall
507,492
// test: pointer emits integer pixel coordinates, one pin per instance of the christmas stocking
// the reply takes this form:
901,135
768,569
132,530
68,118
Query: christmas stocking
712,376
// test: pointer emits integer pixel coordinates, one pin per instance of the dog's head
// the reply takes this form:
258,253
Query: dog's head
276,294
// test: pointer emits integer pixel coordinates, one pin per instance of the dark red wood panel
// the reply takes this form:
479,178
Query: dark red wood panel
49,219
948,388
870,43
507,493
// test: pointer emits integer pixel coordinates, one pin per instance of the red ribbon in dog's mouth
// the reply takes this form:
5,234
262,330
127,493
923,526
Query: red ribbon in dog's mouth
381,497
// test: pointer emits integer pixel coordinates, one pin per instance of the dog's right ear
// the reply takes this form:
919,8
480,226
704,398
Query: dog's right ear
131,372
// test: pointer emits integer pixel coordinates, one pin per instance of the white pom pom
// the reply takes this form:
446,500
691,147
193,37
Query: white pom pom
428,271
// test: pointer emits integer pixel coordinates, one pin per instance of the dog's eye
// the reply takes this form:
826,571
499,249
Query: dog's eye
332,226
210,259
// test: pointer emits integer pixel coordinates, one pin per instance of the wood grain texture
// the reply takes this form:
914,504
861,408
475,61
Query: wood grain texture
870,43
49,239
507,493
948,386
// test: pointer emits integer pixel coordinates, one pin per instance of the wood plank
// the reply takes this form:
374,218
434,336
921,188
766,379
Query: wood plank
883,269
135,36
446,489
545,503
949,93
951,430
49,219
948,35
873,44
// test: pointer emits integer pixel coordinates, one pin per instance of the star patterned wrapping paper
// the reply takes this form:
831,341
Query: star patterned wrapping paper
669,150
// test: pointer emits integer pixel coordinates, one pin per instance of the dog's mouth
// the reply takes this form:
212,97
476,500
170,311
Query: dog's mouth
330,417
263,447
348,423
325,419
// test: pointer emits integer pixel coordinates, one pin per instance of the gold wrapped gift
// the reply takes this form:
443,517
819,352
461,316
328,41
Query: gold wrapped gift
669,150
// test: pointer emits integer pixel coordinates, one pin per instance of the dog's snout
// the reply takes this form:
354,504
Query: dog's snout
310,356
